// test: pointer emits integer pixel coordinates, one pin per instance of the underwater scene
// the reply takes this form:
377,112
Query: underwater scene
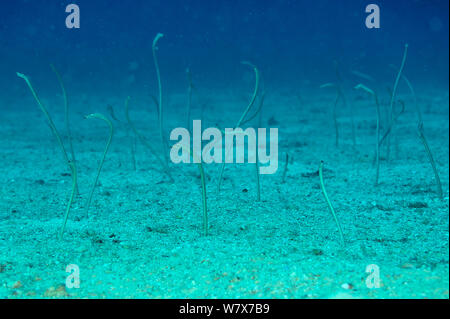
225,149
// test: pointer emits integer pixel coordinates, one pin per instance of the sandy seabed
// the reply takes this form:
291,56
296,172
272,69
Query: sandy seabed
143,238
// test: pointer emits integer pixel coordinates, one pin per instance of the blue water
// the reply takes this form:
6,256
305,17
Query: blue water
289,40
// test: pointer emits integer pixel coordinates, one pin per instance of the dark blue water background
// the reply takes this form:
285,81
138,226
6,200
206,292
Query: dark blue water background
293,43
